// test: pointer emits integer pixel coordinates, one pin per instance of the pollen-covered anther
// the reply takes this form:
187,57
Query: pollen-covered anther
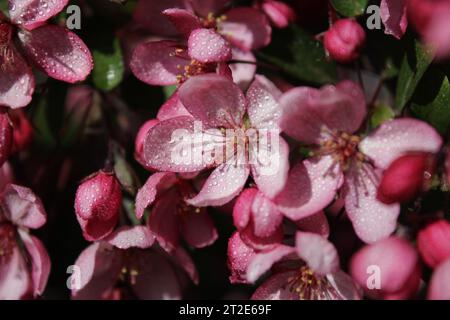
211,21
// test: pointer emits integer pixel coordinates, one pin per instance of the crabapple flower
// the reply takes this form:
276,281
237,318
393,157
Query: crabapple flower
97,205
127,265
24,262
439,288
172,218
279,13
6,137
310,271
241,136
406,178
329,118
394,17
433,243
382,259
53,49
344,40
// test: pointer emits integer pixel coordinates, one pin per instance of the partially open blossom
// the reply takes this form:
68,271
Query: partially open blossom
24,262
6,137
342,158
126,265
217,104
26,39
433,242
406,178
310,271
172,218
376,268
394,17
439,288
344,40
280,14
97,205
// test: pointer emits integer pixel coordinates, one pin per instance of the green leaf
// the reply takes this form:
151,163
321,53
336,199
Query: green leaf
350,8
125,174
169,90
415,62
108,66
299,55
431,101
381,114
4,6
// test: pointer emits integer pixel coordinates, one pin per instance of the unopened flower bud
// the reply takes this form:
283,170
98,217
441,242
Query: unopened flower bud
433,243
406,178
344,40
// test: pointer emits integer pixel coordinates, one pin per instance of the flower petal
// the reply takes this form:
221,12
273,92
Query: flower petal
224,183
396,137
14,278
246,28
265,214
239,256
310,187
172,108
184,20
341,107
184,261
32,13
155,62
214,100
155,185
316,223
276,288
242,208
206,45
58,52
243,72
318,253
131,237
440,282
198,228
393,15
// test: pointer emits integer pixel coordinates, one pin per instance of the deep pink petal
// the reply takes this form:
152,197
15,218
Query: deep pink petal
246,28
172,108
341,107
16,82
40,262
6,176
58,52
266,216
396,137
316,223
262,262
163,220
97,228
345,286
310,187
184,261
224,183
31,13
262,243
131,237
140,140
393,15
155,185
276,288
242,208
23,207
184,20
440,282
155,62
244,72
206,45
318,253
198,228
239,256
214,100
15,280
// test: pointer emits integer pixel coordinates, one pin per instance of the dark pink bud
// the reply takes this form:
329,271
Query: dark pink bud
344,40
97,205
406,178
6,137
279,13
23,130
433,243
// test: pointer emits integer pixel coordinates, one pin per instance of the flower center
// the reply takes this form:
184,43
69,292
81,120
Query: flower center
211,21
310,286
7,242
193,68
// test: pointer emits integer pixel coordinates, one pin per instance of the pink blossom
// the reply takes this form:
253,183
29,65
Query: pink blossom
97,205
6,137
24,262
127,265
344,40
218,104
53,49
439,288
406,178
376,268
330,117
172,218
394,17
310,271
433,242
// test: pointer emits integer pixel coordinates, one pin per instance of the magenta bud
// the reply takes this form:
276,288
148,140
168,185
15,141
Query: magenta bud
97,205
433,243
406,178
344,40
6,137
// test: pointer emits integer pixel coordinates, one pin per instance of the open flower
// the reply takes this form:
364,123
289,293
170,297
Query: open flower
125,265
227,130
310,271
328,119
53,49
24,262
172,217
